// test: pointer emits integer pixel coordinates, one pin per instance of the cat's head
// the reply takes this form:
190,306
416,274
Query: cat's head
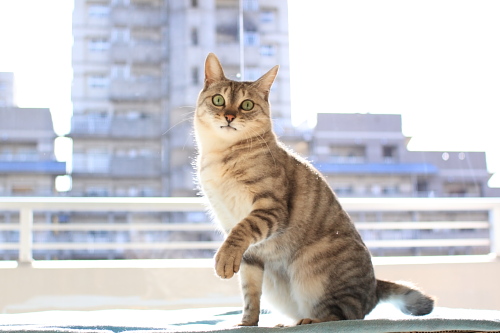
230,111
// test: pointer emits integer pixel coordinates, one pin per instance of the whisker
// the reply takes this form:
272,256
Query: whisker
265,142
183,120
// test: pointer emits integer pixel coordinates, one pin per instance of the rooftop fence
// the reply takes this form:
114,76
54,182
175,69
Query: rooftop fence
469,233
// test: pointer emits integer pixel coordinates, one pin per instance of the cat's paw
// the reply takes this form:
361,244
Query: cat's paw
307,321
247,323
228,260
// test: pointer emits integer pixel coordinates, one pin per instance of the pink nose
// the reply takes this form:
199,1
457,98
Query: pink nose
229,117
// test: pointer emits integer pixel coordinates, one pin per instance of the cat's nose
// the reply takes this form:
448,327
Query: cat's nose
229,117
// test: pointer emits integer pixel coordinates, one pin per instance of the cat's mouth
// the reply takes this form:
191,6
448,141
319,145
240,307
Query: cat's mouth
229,127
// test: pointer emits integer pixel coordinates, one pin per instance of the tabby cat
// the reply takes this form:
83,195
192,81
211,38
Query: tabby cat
286,232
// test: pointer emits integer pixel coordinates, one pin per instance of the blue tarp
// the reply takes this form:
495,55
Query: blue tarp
380,168
48,167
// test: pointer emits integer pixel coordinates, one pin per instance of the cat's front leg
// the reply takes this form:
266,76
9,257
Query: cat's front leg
229,256
251,274
259,225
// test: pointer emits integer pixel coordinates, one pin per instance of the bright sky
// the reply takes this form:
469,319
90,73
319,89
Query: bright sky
436,62
35,44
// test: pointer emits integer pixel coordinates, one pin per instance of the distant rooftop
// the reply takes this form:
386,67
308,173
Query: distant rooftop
25,123
359,122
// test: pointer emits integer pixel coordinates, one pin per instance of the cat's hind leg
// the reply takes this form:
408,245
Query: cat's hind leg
251,275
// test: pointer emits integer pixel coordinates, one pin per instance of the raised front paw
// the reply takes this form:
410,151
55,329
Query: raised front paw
228,260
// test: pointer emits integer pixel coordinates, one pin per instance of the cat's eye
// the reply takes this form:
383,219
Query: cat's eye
218,100
247,105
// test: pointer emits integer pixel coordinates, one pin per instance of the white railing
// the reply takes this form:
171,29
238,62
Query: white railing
27,206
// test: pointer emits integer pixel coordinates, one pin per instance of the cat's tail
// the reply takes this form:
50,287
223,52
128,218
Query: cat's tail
407,298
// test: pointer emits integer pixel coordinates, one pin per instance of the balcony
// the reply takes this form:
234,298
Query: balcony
139,166
182,283
137,16
144,126
137,89
118,166
141,53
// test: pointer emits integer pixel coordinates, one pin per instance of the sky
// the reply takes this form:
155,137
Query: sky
435,62
35,44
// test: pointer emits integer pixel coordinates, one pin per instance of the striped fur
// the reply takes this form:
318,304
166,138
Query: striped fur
287,234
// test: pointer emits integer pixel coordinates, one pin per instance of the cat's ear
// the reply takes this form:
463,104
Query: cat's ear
265,82
213,70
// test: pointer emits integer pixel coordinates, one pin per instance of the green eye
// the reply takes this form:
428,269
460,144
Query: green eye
247,105
218,100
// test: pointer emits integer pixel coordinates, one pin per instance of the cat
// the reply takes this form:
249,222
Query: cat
286,233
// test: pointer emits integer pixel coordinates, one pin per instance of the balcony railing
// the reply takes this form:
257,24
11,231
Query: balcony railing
145,126
137,16
140,53
137,89
26,206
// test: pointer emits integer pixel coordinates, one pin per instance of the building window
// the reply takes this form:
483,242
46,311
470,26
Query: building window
98,161
195,76
120,71
390,190
267,16
120,35
422,187
267,50
250,5
194,37
98,81
251,38
98,11
346,154
390,154
120,2
344,190
98,44
96,191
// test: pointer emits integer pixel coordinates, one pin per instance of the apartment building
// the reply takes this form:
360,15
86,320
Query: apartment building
28,166
366,155
138,68
7,95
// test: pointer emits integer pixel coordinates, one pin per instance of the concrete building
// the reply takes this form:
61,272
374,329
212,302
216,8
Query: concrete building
28,166
138,68
365,155
7,96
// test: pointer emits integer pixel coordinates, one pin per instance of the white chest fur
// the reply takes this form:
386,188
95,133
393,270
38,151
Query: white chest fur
230,201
